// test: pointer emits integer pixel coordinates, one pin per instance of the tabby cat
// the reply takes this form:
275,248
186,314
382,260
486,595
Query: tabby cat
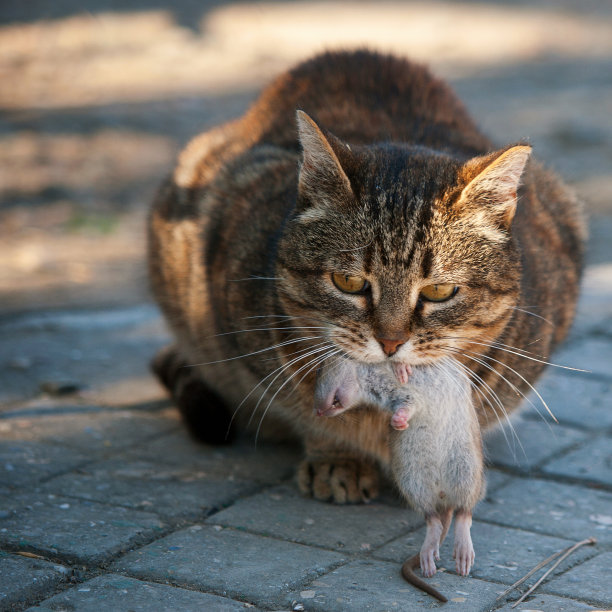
355,210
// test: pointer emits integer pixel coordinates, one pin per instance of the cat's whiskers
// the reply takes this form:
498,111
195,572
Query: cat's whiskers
265,329
484,386
517,351
278,371
269,348
505,365
495,398
302,350
496,345
447,366
282,369
533,314
359,248
269,316
251,278
316,360
296,385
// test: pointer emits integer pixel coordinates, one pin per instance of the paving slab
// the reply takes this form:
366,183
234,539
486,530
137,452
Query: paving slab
93,430
580,402
229,563
520,447
264,462
26,579
23,464
112,592
73,529
283,513
495,479
170,491
590,580
592,461
378,585
94,350
550,508
502,554
546,603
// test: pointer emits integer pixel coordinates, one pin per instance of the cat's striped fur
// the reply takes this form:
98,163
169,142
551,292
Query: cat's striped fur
387,179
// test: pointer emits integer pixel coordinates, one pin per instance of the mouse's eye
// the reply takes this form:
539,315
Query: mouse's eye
350,284
439,293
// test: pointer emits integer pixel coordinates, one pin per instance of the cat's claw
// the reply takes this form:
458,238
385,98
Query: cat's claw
338,480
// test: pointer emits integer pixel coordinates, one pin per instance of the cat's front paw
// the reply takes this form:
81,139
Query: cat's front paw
341,481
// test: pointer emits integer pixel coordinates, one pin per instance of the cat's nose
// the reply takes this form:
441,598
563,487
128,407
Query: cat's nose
390,346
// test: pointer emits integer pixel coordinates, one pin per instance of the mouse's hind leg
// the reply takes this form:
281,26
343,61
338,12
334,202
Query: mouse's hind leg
464,550
445,517
437,528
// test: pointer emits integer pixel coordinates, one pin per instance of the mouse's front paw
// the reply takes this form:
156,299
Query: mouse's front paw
339,480
402,372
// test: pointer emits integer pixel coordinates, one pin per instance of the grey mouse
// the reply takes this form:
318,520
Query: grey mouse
435,442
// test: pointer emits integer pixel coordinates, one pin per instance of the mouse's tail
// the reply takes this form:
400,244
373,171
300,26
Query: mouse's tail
408,574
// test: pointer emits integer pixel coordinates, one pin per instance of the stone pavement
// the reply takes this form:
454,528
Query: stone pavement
105,502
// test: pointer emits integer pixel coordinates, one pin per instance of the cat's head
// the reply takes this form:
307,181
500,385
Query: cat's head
399,251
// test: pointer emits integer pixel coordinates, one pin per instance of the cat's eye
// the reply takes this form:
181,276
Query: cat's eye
350,284
439,293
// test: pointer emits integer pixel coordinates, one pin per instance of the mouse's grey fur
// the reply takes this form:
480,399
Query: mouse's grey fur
437,460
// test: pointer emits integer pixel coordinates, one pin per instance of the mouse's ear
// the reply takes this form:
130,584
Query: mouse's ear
322,179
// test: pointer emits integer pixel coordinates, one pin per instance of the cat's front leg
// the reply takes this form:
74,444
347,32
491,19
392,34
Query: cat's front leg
330,474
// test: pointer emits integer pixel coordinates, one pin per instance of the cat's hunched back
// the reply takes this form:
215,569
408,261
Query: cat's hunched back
380,224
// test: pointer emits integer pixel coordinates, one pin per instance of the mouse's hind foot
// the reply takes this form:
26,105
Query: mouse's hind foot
430,550
464,549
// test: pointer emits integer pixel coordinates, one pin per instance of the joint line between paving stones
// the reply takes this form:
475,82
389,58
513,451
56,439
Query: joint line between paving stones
102,408
538,474
228,592
532,416
568,449
603,547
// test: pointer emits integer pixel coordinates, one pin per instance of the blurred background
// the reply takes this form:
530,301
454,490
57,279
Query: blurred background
98,96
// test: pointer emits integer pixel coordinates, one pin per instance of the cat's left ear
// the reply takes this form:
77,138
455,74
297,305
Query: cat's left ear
493,188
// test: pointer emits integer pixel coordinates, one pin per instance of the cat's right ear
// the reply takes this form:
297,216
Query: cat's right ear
322,181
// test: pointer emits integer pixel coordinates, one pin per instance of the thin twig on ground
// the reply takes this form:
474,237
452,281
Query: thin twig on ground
560,556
